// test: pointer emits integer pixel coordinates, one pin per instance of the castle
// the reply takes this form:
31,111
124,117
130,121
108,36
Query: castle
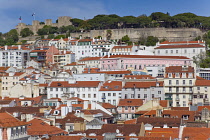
62,21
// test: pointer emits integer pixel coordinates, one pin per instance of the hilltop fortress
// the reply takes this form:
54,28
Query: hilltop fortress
62,21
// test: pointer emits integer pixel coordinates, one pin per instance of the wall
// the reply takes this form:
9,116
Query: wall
172,34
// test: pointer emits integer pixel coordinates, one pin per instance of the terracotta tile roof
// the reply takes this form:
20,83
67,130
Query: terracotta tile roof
195,133
138,77
180,113
182,42
120,47
39,127
30,67
59,84
108,105
78,106
65,138
180,46
64,52
202,83
179,69
151,113
43,85
90,58
164,103
15,48
146,56
143,84
111,86
170,133
133,121
74,64
159,121
200,108
141,112
130,102
25,110
180,108
7,120
115,72
4,68
16,74
85,40
199,78
4,102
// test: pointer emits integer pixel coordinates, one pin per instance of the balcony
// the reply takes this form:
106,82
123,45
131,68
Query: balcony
177,99
103,97
190,99
169,98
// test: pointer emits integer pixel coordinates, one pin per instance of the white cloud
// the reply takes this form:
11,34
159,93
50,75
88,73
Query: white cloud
10,10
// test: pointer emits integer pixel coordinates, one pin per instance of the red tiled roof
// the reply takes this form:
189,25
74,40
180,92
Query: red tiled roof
38,51
146,56
180,108
7,120
108,105
74,64
202,83
181,42
77,84
112,86
85,40
170,133
164,103
30,67
180,46
179,69
39,127
43,85
16,74
200,108
195,133
90,58
130,102
144,84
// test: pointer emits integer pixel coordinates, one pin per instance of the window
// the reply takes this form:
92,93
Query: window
193,50
184,89
139,96
153,96
170,75
109,94
94,95
190,82
145,89
177,82
177,51
83,95
190,89
170,89
132,95
119,108
185,51
56,89
145,96
177,74
89,95
114,94
159,92
126,108
198,88
114,102
183,82
184,96
169,82
132,108
171,51
166,51
201,96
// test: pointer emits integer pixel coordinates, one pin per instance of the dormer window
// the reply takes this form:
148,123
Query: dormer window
177,74
185,117
170,75
190,75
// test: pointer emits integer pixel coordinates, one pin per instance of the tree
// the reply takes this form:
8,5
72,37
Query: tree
26,32
51,36
151,41
76,22
125,38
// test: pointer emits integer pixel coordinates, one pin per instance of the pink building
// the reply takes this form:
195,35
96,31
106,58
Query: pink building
139,62
127,108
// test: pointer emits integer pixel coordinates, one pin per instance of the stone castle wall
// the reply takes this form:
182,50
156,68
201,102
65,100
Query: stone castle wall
62,21
172,34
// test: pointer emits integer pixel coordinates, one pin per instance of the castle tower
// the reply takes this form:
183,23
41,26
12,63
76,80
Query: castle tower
64,21
48,22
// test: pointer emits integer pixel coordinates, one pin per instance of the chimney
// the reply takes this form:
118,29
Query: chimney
5,47
85,105
64,51
19,47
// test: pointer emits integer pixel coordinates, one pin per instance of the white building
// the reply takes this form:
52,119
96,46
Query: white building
110,92
179,82
185,48
16,56
91,62
63,58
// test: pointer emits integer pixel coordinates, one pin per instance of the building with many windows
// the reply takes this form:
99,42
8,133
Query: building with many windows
16,56
179,82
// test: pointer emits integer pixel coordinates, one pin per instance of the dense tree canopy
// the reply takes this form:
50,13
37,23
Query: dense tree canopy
26,32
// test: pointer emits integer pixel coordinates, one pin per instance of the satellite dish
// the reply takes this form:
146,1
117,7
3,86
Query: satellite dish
117,131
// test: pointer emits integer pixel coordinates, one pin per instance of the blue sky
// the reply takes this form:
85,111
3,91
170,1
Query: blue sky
11,10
